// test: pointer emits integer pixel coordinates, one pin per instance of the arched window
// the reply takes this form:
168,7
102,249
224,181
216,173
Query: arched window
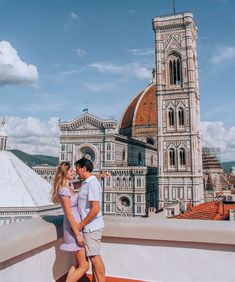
182,157
171,118
124,182
118,182
123,155
172,157
140,159
181,117
175,69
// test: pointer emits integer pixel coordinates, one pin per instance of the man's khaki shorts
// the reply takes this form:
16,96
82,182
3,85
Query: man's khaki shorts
93,242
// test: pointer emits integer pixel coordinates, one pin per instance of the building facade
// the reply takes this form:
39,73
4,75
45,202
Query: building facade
132,163
154,154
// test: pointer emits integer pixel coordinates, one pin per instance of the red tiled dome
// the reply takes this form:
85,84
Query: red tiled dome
141,113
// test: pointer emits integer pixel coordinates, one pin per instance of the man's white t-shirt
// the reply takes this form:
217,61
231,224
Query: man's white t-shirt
90,191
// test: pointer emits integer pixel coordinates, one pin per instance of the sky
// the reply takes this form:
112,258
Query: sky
58,57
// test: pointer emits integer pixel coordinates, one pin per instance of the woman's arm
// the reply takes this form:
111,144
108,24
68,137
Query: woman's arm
67,210
102,175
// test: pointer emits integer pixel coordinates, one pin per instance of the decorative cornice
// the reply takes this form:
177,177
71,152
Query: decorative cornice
181,20
88,118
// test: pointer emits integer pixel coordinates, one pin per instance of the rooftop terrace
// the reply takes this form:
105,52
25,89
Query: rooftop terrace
141,249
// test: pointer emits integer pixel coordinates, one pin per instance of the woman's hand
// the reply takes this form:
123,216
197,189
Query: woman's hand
104,175
80,240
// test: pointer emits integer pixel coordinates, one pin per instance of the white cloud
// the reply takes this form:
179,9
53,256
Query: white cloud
142,52
80,52
131,69
33,136
69,72
223,55
12,69
214,134
100,87
74,16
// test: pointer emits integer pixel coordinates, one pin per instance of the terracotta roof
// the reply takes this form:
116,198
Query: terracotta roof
129,113
146,109
142,111
215,210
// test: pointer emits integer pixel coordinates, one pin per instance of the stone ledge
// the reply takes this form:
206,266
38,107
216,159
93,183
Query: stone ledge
22,237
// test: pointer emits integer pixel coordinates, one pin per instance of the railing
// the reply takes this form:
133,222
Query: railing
144,249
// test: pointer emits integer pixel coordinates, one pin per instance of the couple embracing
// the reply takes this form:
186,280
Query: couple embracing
83,220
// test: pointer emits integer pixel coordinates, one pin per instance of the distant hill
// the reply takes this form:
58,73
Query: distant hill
227,166
32,160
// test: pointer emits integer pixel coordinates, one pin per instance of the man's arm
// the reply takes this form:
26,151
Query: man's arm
94,210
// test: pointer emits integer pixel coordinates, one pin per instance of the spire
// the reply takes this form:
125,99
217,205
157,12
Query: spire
3,135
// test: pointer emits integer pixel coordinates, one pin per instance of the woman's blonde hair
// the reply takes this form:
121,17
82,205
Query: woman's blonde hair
59,180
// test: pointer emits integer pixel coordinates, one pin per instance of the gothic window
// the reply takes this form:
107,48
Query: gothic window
138,208
182,157
108,156
138,181
130,182
172,157
123,155
70,148
140,159
108,146
138,198
171,118
107,197
108,181
107,207
175,69
118,182
181,117
124,182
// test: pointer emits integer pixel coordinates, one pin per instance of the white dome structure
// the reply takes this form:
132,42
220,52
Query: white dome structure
20,186
24,193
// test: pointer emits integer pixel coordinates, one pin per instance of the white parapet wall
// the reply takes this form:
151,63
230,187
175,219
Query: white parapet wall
145,249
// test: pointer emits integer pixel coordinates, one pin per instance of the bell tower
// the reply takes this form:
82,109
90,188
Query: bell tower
180,175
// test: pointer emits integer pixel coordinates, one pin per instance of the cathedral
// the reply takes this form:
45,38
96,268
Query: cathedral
154,153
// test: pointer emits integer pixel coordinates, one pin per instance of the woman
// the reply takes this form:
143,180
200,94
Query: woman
73,240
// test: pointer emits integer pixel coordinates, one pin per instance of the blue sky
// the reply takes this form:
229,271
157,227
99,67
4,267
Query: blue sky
65,55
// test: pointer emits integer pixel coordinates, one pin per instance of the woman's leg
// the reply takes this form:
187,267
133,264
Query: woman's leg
83,266
71,270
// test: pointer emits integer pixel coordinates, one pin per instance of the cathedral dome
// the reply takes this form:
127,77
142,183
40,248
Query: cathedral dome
140,117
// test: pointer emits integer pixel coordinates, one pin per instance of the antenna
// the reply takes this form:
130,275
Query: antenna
174,6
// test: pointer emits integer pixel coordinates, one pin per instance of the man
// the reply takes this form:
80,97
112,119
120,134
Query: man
92,224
